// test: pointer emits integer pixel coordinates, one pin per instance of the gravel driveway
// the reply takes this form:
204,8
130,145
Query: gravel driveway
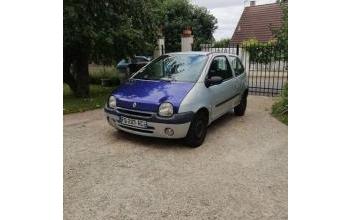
240,172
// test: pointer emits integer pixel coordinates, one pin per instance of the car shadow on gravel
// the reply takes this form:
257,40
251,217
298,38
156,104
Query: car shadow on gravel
164,143
222,121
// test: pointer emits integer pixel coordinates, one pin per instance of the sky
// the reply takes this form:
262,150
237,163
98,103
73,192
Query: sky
228,13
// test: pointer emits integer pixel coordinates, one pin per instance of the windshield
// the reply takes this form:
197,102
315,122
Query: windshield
174,67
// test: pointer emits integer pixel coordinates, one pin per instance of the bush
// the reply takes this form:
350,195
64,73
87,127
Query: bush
222,43
264,52
280,108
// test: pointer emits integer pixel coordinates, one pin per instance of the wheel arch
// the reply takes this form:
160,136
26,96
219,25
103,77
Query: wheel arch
204,110
245,93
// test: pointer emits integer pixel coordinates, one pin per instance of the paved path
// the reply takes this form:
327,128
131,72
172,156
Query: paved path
240,172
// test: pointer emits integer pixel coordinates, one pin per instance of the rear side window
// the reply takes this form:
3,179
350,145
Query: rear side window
236,65
220,67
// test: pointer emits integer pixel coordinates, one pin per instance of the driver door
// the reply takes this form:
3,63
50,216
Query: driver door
222,95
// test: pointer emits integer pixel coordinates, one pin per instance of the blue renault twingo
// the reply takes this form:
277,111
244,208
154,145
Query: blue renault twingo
177,95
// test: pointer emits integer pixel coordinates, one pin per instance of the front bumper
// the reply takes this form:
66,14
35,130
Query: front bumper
156,125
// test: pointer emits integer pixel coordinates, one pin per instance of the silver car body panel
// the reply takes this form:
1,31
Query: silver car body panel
200,96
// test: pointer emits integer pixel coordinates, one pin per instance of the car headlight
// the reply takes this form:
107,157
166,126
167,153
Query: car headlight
112,102
166,109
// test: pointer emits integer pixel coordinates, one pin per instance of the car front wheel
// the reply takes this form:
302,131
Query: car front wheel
197,130
241,108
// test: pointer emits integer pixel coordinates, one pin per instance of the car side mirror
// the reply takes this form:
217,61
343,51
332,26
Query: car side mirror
214,80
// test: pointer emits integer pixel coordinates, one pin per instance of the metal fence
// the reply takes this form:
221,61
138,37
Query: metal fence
266,66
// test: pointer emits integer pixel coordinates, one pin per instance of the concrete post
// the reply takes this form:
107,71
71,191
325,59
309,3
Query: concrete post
160,48
186,40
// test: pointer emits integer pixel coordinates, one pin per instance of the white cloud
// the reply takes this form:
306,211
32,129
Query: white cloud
228,13
210,4
227,20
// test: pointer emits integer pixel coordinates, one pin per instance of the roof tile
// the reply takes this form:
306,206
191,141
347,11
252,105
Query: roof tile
258,22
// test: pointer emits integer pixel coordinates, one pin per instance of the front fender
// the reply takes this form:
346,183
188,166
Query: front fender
196,99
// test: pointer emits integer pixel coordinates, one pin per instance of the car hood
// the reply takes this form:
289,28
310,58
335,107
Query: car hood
148,94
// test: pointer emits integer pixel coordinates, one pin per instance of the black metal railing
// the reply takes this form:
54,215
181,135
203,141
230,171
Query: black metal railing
265,63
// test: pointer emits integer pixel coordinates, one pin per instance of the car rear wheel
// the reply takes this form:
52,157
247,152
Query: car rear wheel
197,130
241,108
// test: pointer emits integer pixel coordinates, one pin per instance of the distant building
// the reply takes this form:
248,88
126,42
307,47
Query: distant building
257,22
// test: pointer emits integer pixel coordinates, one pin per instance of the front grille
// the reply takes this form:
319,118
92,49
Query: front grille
143,114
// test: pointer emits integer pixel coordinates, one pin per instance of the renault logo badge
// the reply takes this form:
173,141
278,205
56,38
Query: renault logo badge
134,105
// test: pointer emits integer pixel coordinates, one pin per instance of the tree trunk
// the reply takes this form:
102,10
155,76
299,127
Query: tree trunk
82,77
68,77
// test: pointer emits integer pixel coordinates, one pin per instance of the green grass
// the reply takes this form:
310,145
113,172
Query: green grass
98,97
98,72
280,108
98,94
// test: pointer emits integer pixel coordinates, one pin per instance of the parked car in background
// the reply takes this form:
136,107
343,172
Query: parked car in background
131,65
178,95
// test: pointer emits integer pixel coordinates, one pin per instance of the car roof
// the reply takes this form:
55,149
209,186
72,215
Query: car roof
200,53
140,57
189,53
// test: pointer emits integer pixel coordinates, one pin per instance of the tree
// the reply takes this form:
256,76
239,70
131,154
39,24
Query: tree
281,34
104,31
176,15
222,43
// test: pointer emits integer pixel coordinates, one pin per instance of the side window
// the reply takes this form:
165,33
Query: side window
236,65
220,67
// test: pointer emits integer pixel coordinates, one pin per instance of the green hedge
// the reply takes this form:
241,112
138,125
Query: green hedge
264,52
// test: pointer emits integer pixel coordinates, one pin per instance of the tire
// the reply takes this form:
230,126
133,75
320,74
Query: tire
241,108
197,130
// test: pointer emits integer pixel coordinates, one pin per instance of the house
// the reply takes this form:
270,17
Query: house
257,22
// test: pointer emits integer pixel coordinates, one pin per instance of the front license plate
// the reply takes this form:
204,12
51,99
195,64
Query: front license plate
133,122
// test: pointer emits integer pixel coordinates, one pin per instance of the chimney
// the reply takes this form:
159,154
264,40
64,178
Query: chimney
252,3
